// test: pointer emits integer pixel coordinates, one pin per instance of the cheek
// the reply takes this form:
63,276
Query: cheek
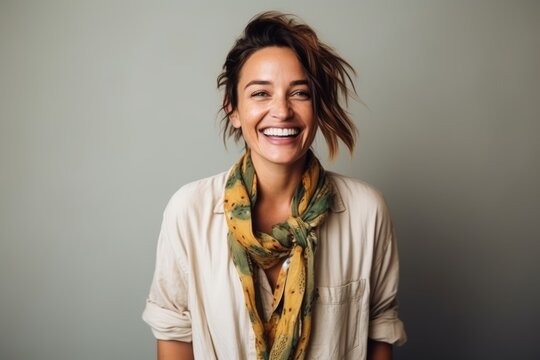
310,118
306,110
252,116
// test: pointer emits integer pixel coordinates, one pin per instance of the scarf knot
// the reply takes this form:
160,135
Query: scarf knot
299,231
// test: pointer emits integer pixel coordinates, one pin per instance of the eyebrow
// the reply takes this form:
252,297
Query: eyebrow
266,82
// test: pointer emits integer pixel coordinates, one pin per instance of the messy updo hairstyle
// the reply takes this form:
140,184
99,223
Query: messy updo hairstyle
328,74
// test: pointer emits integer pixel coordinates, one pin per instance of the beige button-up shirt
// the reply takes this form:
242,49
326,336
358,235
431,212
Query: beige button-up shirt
196,295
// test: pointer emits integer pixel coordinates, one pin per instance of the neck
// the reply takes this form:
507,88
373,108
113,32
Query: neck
277,183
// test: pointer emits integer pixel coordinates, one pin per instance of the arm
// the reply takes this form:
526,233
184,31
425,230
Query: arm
378,350
385,325
174,350
166,309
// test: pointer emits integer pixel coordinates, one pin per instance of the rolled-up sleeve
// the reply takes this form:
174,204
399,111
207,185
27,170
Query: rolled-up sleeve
166,309
384,324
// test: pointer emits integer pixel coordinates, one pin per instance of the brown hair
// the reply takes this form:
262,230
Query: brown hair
328,74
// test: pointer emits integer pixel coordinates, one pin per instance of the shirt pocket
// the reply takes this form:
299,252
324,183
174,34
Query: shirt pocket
338,321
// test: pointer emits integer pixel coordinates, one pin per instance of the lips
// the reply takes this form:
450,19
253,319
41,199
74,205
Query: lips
281,132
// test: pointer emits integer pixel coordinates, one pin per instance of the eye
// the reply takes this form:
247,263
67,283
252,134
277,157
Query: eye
259,93
301,94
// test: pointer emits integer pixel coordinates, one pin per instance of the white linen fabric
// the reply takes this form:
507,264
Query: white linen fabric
196,294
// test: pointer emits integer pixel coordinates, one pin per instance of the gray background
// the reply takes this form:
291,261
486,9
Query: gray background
107,107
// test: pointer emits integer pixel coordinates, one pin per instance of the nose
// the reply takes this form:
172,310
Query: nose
281,108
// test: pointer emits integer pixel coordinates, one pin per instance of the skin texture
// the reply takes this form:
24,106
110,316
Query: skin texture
273,93
174,350
379,350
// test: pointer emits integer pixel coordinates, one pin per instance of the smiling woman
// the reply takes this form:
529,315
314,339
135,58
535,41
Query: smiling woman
276,258
275,111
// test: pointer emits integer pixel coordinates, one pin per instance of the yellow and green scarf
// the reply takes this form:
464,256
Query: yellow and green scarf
286,334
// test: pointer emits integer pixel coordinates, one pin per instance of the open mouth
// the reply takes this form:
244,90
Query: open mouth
281,132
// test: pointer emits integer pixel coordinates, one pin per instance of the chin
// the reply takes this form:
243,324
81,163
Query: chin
290,159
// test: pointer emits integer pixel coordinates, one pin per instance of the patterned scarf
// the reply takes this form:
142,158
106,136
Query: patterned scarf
286,334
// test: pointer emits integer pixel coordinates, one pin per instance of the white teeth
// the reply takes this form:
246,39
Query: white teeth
280,132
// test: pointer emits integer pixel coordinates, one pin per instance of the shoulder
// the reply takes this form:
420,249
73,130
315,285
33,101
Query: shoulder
352,191
200,195
359,200
358,203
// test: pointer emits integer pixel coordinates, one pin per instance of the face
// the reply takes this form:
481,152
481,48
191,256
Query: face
275,110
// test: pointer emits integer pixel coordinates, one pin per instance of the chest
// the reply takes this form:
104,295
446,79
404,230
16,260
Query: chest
340,314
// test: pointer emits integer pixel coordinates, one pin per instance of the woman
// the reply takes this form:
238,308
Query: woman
276,258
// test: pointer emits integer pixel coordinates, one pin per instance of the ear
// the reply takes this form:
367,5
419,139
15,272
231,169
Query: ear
234,118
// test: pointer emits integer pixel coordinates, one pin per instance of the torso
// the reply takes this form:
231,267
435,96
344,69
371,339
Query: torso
208,302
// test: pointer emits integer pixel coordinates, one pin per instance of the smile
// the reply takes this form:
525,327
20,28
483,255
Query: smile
281,132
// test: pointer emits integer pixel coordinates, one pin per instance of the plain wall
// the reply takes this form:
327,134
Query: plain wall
107,107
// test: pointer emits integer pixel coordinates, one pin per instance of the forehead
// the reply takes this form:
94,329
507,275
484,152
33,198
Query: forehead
271,62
